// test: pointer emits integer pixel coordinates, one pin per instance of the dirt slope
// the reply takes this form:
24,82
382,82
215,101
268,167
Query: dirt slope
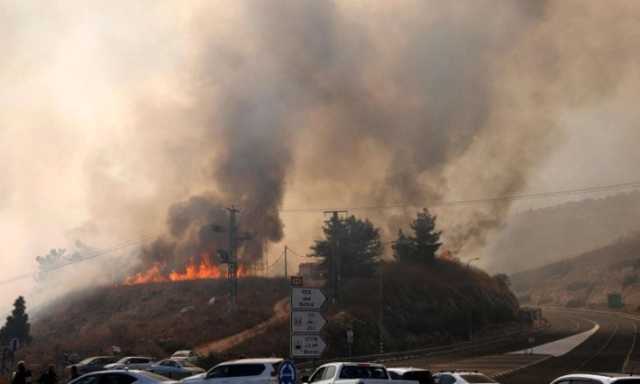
586,279
153,319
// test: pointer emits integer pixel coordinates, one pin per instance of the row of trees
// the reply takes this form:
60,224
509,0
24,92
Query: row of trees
357,244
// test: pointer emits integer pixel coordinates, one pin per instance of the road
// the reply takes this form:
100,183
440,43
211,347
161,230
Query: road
613,348
610,347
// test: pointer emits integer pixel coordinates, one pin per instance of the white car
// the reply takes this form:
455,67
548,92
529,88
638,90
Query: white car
462,378
175,369
131,362
121,377
352,373
251,371
597,378
184,355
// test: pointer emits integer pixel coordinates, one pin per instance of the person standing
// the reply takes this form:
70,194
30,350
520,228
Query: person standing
21,375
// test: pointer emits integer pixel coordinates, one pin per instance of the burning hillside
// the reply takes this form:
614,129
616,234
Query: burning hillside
203,270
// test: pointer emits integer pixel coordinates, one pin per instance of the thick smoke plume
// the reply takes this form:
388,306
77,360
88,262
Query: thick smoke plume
123,120
413,105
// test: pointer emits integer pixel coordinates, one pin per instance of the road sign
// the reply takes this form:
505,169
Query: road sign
287,373
307,346
307,322
297,281
307,299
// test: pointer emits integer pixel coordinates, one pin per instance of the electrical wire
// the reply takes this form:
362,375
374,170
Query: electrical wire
495,199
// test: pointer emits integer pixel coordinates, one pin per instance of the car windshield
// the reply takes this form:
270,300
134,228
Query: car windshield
124,360
188,364
363,372
87,360
477,378
181,354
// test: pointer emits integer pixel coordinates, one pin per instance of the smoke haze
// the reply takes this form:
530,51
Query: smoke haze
122,120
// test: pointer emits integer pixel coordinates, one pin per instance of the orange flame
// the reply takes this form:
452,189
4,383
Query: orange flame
193,271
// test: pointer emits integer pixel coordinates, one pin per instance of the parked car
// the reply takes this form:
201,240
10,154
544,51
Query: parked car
252,371
175,369
185,355
122,377
131,362
597,378
92,364
462,378
422,376
348,373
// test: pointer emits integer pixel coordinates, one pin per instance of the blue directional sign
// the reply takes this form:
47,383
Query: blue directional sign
287,373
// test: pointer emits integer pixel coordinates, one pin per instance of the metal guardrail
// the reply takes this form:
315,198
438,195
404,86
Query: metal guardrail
429,351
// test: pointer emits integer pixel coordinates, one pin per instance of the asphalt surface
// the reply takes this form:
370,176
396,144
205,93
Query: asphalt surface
613,348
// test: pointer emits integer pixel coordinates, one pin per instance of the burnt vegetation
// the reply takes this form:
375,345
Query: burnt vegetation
411,298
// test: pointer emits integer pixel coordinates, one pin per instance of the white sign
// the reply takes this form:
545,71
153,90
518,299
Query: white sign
307,299
307,322
307,346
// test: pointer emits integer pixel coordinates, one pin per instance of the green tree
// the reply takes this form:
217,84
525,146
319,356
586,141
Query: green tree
424,243
354,242
17,325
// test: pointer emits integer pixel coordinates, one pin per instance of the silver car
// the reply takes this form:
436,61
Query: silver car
122,377
131,362
175,369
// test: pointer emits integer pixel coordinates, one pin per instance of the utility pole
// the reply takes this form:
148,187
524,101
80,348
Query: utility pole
335,264
232,271
286,271
381,308
230,256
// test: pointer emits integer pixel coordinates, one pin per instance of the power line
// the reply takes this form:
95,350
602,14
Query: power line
90,256
517,197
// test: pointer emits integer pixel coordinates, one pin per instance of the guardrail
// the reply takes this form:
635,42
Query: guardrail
433,351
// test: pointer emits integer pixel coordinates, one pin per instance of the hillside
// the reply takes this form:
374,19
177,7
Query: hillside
152,319
538,237
422,305
586,279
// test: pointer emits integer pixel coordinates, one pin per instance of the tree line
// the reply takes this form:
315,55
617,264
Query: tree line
357,246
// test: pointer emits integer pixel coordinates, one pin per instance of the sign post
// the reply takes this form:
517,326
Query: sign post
350,337
307,320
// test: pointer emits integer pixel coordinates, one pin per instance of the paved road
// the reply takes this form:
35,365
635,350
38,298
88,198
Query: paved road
610,348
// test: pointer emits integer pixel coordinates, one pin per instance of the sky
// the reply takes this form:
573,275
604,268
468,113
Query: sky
113,113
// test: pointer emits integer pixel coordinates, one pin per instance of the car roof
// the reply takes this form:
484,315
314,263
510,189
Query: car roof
134,371
360,364
406,369
270,360
461,373
89,358
613,376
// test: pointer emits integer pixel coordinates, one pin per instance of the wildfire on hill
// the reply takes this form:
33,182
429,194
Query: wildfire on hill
193,271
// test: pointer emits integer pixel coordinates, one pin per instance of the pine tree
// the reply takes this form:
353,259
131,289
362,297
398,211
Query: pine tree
422,246
17,325
354,242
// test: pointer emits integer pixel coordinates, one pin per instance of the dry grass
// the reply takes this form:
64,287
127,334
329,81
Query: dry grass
153,319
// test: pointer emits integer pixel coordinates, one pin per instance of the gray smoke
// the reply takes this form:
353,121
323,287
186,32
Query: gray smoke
414,104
